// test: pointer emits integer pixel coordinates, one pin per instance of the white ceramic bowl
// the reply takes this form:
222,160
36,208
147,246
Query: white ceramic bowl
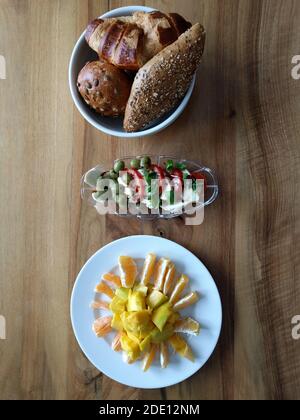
82,53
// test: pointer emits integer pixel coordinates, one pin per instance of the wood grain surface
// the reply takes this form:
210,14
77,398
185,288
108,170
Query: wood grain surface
243,120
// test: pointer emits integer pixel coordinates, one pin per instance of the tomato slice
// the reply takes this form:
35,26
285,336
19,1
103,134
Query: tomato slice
139,181
160,171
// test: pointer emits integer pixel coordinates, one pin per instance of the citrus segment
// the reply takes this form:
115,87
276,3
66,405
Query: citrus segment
100,305
102,326
181,347
179,288
112,279
116,344
128,271
106,290
161,272
148,270
149,358
187,301
187,326
169,279
164,355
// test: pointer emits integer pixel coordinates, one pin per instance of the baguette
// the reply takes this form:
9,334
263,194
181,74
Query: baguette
162,83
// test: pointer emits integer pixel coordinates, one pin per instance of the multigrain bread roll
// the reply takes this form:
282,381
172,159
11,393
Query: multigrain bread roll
129,42
104,88
162,83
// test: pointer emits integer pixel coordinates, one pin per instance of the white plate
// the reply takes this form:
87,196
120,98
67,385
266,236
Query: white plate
207,311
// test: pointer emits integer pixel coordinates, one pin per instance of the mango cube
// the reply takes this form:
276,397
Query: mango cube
161,315
156,299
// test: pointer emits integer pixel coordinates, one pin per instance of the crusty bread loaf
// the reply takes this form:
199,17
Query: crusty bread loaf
162,83
129,42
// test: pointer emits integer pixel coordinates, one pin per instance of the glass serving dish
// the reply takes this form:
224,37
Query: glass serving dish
89,182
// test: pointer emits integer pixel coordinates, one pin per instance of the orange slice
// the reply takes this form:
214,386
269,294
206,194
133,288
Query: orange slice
164,355
179,288
116,344
112,279
128,271
187,301
161,272
148,270
169,279
149,358
181,347
102,326
106,290
100,305
187,326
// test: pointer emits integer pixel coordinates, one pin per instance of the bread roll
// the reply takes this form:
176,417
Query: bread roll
161,84
104,88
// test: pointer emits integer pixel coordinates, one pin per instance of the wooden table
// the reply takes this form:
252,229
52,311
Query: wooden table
243,120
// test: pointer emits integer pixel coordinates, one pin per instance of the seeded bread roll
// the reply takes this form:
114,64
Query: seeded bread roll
104,88
162,83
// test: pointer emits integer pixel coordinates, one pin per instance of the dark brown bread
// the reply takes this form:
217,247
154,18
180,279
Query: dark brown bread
162,83
104,88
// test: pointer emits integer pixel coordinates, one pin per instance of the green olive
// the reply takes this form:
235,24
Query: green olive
135,164
146,162
119,166
113,175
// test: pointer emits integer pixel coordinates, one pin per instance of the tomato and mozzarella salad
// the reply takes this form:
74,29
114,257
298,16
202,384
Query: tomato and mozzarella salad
157,186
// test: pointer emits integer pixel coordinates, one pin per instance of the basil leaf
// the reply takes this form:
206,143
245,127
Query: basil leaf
180,166
170,165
